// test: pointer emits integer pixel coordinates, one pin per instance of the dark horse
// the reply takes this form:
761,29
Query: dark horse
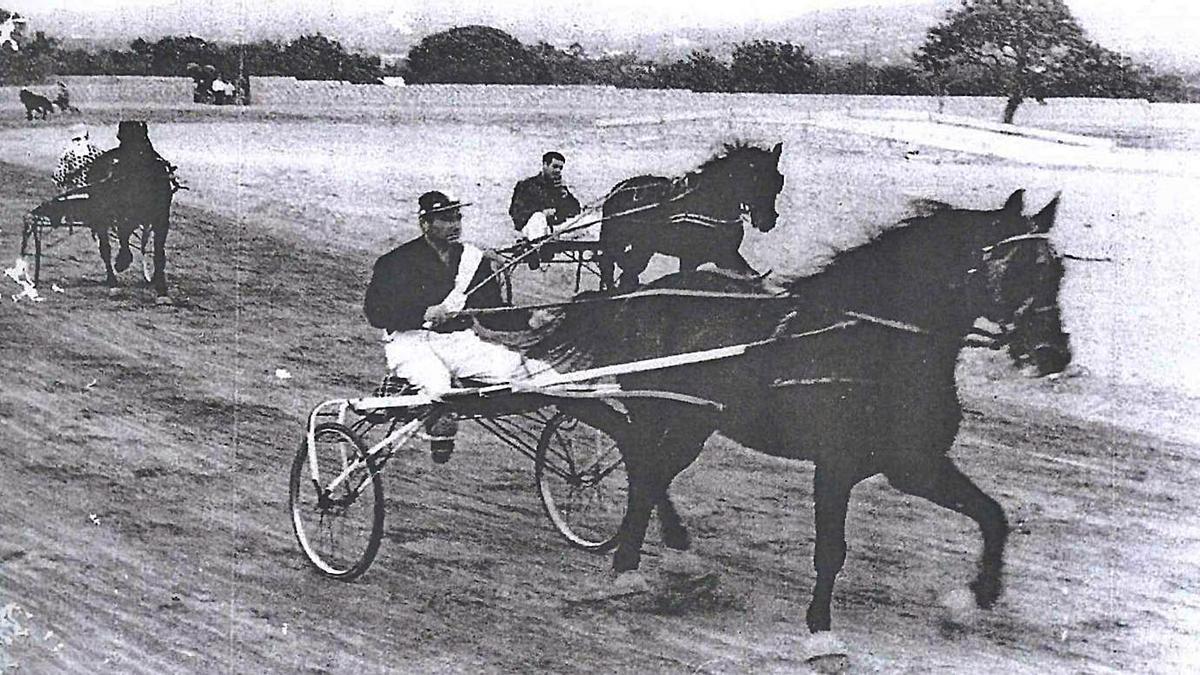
857,373
35,104
697,218
130,189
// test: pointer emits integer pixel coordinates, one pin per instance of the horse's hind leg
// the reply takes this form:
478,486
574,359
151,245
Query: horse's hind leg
942,483
160,259
110,278
633,263
651,467
124,255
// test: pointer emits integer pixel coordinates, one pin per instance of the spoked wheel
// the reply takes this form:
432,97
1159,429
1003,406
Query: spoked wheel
338,518
32,231
147,248
581,480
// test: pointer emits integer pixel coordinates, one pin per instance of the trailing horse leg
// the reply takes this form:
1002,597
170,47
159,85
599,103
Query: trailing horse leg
643,493
110,278
650,467
674,533
831,497
159,232
945,485
633,263
608,271
124,255
677,451
678,560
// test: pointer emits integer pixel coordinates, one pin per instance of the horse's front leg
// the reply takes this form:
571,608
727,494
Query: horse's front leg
831,496
941,482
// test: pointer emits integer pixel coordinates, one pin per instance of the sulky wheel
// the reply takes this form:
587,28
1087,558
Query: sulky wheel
32,231
338,518
581,480
147,250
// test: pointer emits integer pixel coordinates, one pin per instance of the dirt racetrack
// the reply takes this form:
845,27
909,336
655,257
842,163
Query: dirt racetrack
144,454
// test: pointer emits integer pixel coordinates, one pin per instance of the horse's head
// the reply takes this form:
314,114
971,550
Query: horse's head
1022,275
752,180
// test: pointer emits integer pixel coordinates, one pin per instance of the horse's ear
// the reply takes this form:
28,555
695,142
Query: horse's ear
1016,202
777,150
1044,220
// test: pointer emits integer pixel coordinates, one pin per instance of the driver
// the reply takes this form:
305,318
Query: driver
76,159
414,294
542,202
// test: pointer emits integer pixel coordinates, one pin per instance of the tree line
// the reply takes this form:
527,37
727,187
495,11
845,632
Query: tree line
1019,49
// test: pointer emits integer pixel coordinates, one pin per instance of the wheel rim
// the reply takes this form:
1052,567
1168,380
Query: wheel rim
582,483
336,527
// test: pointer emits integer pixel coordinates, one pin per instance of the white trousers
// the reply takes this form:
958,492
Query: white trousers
431,360
536,226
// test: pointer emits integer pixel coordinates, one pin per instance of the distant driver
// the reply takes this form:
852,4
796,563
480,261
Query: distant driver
542,201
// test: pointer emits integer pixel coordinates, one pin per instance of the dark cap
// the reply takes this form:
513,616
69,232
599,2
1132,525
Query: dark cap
436,202
132,130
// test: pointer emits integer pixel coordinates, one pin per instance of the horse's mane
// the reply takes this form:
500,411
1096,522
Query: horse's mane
727,150
921,207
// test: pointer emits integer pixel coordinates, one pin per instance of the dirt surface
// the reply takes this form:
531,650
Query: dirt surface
144,524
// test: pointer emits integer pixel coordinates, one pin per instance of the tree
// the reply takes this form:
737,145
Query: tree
170,55
316,57
473,55
700,71
562,67
1030,47
768,66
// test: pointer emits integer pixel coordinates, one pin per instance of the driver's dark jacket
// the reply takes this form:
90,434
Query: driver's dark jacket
138,161
536,193
412,278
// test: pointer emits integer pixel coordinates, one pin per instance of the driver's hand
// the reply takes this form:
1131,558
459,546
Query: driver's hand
437,314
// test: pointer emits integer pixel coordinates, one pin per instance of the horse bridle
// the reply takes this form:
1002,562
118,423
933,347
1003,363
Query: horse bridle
1026,307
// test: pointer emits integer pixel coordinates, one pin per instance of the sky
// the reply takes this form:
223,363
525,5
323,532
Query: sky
1119,23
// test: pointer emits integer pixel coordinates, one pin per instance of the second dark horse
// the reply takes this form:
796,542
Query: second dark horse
697,218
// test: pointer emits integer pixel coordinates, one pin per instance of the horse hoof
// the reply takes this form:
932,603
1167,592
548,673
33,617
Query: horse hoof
164,301
623,585
829,663
960,607
629,583
683,564
825,652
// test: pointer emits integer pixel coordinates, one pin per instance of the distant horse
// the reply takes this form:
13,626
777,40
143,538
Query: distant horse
854,370
697,218
35,104
130,191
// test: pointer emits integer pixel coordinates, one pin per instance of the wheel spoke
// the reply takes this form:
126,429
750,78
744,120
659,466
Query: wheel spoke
582,483
338,521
